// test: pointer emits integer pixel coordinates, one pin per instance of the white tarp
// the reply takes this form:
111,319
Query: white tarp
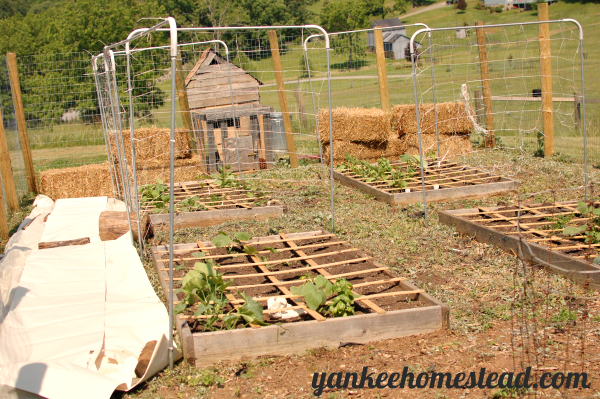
80,315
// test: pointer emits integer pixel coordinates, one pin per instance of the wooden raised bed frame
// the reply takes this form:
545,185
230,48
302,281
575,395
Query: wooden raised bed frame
498,226
236,205
427,314
456,181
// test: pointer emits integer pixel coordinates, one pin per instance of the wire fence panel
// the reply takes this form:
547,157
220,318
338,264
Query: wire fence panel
501,69
10,129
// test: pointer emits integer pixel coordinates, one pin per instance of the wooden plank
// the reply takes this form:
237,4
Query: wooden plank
530,99
220,78
160,222
13,71
67,243
200,103
294,338
384,94
558,263
300,104
490,138
224,89
546,75
287,123
183,102
6,172
218,95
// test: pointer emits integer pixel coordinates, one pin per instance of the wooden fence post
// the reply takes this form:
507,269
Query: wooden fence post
384,94
546,72
300,103
13,71
287,123
577,109
6,172
184,106
3,219
490,138
479,112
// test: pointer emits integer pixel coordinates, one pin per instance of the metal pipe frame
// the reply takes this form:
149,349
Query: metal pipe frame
430,30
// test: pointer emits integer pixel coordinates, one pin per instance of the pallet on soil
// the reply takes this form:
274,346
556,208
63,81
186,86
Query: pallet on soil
220,205
390,307
444,181
540,239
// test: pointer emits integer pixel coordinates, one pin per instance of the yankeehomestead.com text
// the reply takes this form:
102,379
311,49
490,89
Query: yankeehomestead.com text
482,380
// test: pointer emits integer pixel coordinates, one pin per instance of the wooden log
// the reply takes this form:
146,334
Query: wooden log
6,172
114,224
546,72
3,218
144,358
183,102
287,123
13,71
384,94
490,138
56,244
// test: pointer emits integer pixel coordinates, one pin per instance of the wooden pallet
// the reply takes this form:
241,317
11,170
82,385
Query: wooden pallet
444,181
234,204
544,243
303,252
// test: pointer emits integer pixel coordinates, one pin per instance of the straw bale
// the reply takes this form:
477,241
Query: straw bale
81,181
452,118
368,125
393,148
450,145
152,143
94,180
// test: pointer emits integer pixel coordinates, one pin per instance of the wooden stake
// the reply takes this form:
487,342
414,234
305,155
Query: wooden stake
478,98
287,123
3,219
183,103
384,94
546,72
56,244
13,71
490,138
300,103
6,172
577,109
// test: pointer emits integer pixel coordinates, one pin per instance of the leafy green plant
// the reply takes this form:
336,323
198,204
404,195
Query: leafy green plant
381,171
222,240
156,195
591,229
316,291
540,145
227,179
191,204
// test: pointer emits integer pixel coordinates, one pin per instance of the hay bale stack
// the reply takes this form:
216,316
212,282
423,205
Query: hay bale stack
365,125
82,181
452,118
450,145
94,180
152,143
369,152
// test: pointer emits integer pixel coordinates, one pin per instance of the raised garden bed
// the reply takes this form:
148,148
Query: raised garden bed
390,307
212,205
542,238
444,181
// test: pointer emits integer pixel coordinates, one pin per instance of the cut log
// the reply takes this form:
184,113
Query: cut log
114,224
55,244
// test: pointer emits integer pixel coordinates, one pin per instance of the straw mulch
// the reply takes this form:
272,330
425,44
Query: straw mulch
393,148
152,143
355,124
450,145
94,180
452,118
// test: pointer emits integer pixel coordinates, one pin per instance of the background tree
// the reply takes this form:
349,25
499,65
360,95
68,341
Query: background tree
462,5
379,8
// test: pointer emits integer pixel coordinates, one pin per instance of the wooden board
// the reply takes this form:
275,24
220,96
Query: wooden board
574,269
204,349
502,185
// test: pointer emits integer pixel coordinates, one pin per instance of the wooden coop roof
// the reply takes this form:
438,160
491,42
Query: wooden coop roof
210,57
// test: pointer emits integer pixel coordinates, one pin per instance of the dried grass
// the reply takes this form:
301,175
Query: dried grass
450,145
367,125
94,180
452,118
393,148
152,143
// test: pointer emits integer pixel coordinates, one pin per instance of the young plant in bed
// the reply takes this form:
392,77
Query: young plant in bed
191,204
591,229
156,195
316,291
205,287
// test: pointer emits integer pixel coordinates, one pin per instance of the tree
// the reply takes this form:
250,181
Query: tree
378,7
462,5
346,16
